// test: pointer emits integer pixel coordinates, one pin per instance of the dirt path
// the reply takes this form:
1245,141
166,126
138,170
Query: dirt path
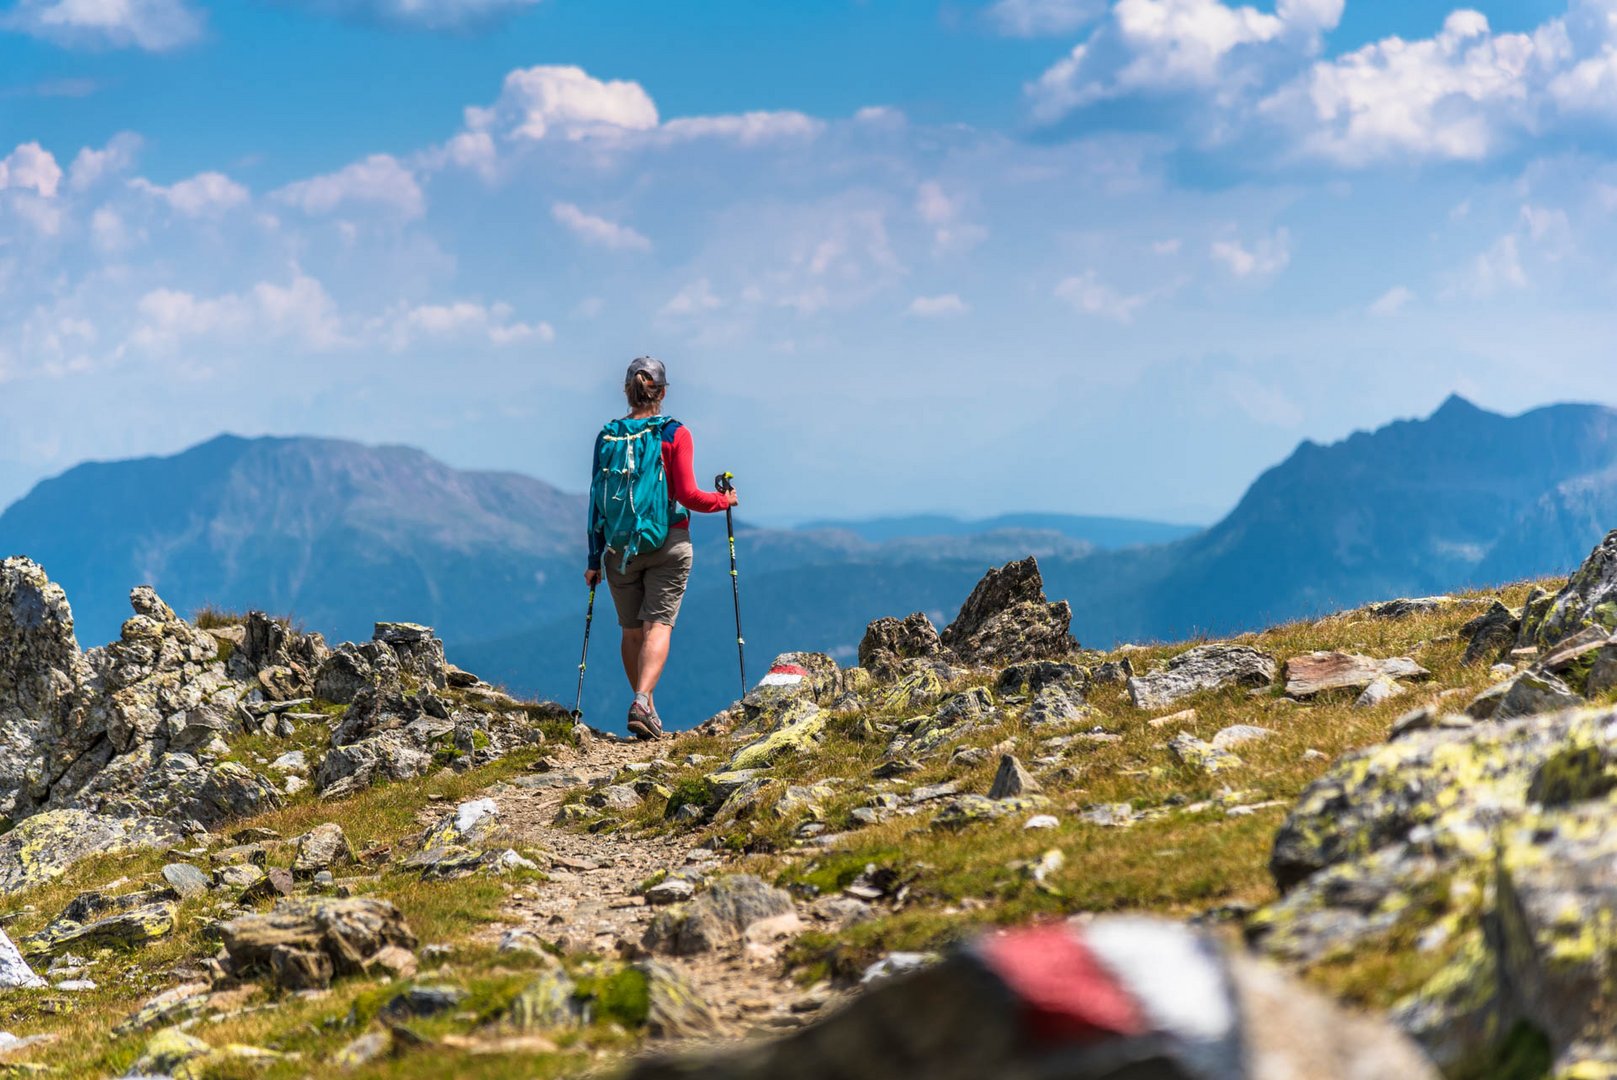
591,901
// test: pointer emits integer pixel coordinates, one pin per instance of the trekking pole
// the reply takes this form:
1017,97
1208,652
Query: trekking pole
724,482
589,617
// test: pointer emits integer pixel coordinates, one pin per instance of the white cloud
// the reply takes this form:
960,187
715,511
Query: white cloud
379,180
91,166
748,129
300,311
463,319
108,232
1090,295
598,230
206,194
423,14
1171,46
1040,18
1392,302
1268,255
152,25
950,233
1498,269
30,167
694,299
540,102
932,307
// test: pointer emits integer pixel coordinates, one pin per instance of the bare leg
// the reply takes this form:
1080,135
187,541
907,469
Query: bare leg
633,637
653,652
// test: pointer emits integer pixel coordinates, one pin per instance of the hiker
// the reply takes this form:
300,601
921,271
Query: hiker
642,490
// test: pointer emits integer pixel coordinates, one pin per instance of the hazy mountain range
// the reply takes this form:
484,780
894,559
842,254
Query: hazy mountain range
340,534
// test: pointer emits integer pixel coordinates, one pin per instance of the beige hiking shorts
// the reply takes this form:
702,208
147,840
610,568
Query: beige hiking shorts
650,590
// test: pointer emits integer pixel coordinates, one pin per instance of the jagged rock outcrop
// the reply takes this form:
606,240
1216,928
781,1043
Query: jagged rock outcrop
42,847
888,642
1007,619
1589,599
40,676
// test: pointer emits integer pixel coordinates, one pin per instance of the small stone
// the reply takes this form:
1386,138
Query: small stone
363,1050
1178,719
1236,734
670,891
1012,780
14,970
1042,821
186,880
1383,689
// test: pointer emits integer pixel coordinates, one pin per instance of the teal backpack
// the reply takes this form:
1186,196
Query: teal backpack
629,494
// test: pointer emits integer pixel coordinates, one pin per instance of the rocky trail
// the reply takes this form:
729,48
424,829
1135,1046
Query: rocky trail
595,896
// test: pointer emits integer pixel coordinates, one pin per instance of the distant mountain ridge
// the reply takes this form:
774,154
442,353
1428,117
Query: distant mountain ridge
338,533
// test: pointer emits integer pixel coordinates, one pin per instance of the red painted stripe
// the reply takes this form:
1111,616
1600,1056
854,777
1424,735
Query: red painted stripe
788,669
1066,994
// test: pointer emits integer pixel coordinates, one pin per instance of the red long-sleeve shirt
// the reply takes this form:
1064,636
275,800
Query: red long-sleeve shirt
679,463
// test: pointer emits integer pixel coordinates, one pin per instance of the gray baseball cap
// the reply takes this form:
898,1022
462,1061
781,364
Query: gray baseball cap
650,367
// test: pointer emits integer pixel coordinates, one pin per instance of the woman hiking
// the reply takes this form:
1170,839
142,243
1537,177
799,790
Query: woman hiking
642,490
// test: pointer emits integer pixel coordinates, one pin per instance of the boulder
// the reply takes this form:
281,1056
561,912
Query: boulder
1027,680
41,671
128,929
1205,667
966,1017
1506,824
324,847
1007,620
14,970
1534,692
388,756
888,642
352,668
43,847
1409,606
187,881
304,944
1588,599
1491,635
1322,672
718,917
797,731
1379,692
1202,755
420,655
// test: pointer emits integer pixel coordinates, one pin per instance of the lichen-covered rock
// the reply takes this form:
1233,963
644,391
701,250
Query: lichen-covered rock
40,673
43,847
352,668
1588,599
888,642
128,929
1506,823
675,1010
324,847
797,731
388,756
1007,620
548,1002
1202,755
420,655
1205,667
964,810
1054,706
304,943
1029,679
718,917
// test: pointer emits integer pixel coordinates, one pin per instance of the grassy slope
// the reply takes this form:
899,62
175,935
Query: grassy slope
1181,863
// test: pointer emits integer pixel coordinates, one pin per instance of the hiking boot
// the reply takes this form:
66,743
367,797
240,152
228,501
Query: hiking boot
644,723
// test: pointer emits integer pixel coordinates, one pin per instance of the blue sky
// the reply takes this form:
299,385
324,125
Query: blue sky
1107,257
